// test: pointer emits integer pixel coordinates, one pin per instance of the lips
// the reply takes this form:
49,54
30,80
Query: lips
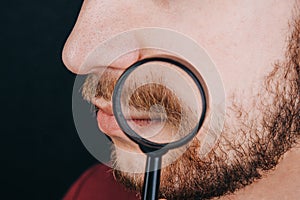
108,124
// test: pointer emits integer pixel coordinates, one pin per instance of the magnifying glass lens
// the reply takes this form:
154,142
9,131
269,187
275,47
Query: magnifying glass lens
160,102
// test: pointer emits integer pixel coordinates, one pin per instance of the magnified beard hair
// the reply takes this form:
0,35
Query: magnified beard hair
152,98
235,163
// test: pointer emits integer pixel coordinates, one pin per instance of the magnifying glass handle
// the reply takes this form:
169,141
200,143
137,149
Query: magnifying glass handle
152,178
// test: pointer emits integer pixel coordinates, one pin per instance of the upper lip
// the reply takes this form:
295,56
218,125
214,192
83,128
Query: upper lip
106,107
99,102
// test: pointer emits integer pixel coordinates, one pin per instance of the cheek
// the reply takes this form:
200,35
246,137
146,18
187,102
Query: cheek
243,40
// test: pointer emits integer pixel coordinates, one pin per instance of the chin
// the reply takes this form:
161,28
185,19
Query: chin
128,159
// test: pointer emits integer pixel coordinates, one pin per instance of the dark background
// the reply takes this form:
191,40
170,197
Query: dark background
41,153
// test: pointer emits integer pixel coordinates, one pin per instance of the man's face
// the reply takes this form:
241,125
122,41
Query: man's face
254,50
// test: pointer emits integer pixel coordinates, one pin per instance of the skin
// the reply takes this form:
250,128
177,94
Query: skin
245,39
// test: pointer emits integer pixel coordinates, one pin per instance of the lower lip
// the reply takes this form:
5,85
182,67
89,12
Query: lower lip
107,123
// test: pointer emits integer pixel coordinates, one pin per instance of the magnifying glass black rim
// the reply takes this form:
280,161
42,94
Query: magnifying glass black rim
121,120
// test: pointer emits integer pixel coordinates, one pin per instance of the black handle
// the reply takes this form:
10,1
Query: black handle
152,178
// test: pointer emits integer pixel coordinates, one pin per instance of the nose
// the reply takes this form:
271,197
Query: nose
97,22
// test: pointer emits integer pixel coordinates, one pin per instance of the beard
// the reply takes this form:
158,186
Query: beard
246,149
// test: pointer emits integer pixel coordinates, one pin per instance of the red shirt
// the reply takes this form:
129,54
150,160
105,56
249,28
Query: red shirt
98,183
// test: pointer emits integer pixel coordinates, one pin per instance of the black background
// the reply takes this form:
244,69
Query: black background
41,153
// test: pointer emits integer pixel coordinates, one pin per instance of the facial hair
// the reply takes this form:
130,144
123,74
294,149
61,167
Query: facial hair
244,152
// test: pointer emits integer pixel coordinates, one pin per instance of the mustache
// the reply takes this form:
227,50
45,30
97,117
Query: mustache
140,98
99,86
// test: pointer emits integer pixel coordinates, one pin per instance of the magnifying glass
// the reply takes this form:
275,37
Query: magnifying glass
160,104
